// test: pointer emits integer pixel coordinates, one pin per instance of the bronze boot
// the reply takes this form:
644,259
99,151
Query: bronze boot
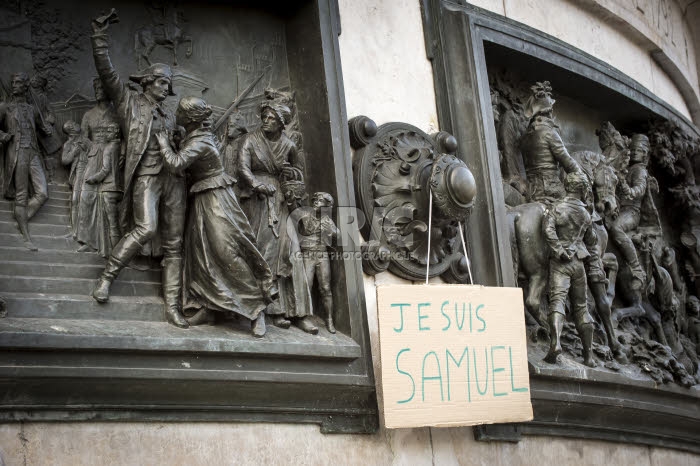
586,331
556,325
257,326
328,307
101,291
175,317
172,288
121,255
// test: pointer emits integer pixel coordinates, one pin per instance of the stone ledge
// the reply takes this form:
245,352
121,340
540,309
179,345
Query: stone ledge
127,335
580,372
337,408
629,411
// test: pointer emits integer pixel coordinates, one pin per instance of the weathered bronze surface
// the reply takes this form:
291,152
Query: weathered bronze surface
191,172
155,199
631,277
224,270
97,185
608,271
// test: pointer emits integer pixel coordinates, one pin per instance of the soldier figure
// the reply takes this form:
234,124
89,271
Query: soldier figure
598,284
542,148
634,188
23,170
156,197
318,232
567,225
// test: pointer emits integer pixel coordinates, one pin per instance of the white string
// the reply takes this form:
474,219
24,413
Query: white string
430,227
461,236
466,256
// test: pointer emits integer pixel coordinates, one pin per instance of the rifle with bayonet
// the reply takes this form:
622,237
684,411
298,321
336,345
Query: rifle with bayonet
238,99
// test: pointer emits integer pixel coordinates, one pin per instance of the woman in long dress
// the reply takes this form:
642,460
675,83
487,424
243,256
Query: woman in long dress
223,268
75,151
268,156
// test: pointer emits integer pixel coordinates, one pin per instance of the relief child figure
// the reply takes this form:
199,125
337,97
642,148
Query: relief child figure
317,235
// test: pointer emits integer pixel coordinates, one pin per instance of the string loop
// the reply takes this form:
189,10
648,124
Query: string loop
430,230
466,256
461,237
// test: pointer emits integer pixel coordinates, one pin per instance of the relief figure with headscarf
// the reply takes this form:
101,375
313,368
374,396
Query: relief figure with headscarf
267,162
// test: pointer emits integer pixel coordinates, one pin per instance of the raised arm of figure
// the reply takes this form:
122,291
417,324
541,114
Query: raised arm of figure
112,84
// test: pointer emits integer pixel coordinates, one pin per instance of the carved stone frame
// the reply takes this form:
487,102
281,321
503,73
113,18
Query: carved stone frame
326,381
607,408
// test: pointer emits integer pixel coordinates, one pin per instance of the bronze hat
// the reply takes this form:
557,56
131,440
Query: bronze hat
282,111
541,99
642,141
158,70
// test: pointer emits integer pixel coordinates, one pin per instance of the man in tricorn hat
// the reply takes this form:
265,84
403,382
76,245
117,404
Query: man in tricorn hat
157,197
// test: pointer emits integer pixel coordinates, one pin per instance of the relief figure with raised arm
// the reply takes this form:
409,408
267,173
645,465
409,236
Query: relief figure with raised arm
155,197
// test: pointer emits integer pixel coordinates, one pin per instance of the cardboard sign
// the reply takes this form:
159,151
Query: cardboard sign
452,355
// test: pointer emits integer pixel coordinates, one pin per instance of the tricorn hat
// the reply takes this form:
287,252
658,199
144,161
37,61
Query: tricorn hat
158,70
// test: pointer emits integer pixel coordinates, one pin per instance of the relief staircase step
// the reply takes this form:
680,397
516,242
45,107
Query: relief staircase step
40,217
139,335
43,229
69,306
69,285
40,241
45,209
49,202
90,271
70,256
60,197
58,188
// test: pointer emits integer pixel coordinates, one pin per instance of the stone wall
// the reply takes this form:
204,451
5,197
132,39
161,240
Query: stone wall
388,78
134,444
633,40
